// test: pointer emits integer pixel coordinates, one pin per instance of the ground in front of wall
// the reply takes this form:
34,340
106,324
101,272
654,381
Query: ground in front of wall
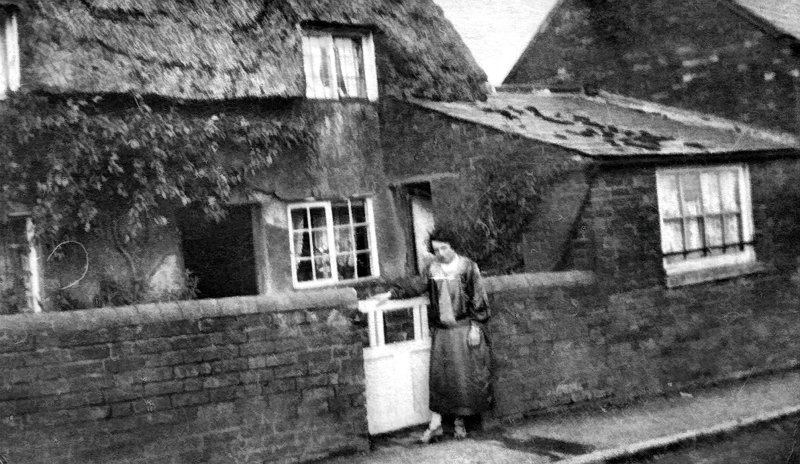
767,443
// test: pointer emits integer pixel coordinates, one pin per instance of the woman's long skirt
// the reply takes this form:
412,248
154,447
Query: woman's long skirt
460,375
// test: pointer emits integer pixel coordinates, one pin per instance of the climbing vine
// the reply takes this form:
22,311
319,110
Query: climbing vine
499,197
84,165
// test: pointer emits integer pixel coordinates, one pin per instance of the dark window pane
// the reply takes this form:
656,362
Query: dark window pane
304,271
322,268
346,267
299,219
359,211
398,326
341,214
318,217
363,267
362,238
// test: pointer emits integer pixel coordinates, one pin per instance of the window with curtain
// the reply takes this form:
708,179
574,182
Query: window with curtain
332,242
339,65
706,217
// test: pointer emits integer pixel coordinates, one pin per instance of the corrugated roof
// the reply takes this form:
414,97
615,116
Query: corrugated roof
612,125
783,14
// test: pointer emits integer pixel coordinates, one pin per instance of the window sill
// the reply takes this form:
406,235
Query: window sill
715,273
342,99
335,284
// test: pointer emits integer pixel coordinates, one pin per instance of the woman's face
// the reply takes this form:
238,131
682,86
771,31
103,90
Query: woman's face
443,251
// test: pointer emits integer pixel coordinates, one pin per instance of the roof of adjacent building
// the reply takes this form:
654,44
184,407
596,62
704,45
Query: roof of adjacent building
213,49
784,15
613,125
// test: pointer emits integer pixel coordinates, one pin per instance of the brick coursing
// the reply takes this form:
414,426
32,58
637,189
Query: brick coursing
627,334
567,343
262,379
694,54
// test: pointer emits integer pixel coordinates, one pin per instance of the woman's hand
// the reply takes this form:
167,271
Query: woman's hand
474,336
381,297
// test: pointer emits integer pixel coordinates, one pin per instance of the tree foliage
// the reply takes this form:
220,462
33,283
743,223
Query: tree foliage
82,167
119,169
499,197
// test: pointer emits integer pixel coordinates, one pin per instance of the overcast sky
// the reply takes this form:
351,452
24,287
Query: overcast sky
496,31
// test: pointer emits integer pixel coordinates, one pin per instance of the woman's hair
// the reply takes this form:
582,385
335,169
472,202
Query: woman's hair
443,234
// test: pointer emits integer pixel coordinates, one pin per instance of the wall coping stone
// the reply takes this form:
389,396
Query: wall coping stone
96,318
513,282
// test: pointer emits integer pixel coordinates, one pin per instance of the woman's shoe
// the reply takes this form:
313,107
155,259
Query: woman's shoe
431,435
459,431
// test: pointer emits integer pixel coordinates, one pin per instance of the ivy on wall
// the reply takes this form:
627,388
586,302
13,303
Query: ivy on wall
499,196
117,169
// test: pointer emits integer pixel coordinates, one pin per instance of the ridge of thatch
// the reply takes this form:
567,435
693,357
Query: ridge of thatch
214,49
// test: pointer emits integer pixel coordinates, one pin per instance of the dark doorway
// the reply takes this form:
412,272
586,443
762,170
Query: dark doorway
221,254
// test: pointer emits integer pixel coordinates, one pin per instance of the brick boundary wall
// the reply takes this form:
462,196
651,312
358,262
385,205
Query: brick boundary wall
561,339
281,378
251,379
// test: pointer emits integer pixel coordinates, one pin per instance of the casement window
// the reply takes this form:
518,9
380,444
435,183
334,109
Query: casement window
9,50
706,220
339,65
332,242
19,266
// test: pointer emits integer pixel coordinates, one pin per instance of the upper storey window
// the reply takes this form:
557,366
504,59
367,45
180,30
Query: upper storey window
339,64
9,50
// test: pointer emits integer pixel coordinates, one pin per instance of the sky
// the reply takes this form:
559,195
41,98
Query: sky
496,31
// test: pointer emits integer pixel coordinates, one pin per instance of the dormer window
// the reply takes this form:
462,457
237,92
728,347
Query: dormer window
339,64
9,50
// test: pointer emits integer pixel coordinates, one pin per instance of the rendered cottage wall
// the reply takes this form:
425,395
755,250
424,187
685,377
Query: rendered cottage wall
339,158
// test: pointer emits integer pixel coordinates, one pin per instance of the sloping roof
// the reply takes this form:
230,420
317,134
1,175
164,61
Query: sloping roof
784,15
612,125
215,49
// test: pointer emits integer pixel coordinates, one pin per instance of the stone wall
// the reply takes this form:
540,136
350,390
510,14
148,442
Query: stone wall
250,379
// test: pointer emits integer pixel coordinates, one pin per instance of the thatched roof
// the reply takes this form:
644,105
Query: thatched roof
219,49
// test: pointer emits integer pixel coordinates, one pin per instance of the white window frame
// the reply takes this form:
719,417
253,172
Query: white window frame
334,279
315,88
699,269
33,279
9,50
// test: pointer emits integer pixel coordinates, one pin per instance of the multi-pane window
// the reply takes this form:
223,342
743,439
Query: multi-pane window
339,65
706,217
332,242
9,50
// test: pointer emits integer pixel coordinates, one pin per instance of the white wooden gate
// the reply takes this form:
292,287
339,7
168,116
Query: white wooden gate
396,363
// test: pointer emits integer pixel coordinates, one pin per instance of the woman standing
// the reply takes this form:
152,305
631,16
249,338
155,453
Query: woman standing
461,358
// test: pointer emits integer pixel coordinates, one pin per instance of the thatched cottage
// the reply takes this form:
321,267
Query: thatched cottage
321,214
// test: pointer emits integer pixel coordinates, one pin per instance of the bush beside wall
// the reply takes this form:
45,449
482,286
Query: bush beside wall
256,379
